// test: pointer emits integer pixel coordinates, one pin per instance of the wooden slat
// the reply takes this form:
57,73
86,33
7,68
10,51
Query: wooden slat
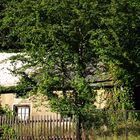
40,127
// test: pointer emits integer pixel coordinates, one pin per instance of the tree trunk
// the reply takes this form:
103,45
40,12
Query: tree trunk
78,128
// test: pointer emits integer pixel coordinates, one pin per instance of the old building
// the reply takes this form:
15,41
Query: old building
23,107
35,104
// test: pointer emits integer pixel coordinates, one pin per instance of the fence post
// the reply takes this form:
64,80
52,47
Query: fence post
126,130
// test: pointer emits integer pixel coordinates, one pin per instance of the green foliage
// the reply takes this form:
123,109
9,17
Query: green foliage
7,131
121,99
5,111
63,40
56,36
118,47
79,101
7,89
2,111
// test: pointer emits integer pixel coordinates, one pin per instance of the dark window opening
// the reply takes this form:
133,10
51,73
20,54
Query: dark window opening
22,111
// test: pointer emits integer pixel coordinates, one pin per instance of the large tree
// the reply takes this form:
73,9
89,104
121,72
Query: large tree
56,38
64,41
123,55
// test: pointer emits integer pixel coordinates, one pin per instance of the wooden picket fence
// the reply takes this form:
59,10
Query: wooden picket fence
37,128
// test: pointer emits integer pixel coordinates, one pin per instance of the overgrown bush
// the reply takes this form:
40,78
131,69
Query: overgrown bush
6,130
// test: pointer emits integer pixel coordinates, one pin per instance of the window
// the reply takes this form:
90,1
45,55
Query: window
22,111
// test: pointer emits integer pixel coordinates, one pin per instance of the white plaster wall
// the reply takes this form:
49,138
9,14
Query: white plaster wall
6,77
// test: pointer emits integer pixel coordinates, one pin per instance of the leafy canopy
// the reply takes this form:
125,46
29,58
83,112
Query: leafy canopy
65,40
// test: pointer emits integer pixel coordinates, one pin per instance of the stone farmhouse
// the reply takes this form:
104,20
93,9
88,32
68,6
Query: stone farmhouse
30,105
24,107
